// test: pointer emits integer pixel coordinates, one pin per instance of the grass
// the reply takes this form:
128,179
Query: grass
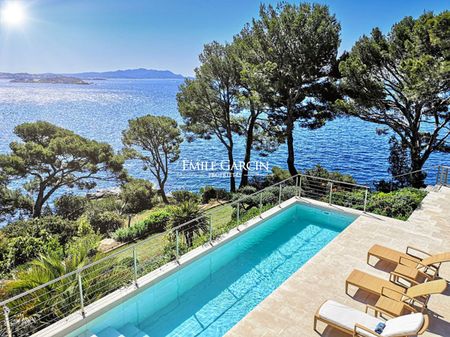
153,245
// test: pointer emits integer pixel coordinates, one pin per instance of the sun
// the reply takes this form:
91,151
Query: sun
12,13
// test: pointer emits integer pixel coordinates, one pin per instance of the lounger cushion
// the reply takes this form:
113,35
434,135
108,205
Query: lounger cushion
347,317
407,325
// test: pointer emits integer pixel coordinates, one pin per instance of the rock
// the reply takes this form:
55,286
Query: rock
108,244
115,191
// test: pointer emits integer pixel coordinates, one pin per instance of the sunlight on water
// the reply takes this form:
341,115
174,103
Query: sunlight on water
102,109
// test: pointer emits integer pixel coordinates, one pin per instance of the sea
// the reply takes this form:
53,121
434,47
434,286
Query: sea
102,109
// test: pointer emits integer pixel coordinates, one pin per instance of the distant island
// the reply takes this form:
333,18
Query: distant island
140,73
50,79
81,78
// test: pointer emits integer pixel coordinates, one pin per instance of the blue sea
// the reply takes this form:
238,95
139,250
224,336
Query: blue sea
102,109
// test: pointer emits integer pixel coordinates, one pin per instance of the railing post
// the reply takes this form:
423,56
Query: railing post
80,289
279,196
300,187
135,270
6,312
238,215
178,245
260,203
331,192
210,228
438,175
365,199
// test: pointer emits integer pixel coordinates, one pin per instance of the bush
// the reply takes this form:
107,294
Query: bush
156,222
209,192
22,249
352,199
320,171
106,204
69,206
185,212
267,198
63,230
105,222
288,192
137,196
247,190
278,174
184,195
398,204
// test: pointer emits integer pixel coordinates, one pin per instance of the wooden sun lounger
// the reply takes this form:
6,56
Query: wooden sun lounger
411,258
375,285
360,324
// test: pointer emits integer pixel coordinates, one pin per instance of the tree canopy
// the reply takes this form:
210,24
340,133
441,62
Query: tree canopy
48,157
299,44
401,81
209,102
155,140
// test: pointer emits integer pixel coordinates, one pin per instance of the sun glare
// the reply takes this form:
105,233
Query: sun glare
12,13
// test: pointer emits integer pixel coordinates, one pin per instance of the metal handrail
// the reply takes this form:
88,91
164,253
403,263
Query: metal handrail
133,248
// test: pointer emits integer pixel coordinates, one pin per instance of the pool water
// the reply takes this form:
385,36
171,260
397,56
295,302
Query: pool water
209,296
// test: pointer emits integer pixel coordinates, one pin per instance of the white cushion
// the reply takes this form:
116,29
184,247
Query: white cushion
406,325
347,317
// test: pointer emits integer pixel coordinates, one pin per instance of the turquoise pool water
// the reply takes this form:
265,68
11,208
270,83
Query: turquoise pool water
209,296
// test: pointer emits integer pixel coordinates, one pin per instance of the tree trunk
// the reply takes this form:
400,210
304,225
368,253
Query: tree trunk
37,209
417,179
162,192
290,145
231,170
248,151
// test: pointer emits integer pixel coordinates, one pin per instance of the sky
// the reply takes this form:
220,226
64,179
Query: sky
64,36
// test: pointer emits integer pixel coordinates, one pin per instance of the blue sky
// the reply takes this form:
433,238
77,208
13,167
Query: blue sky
98,35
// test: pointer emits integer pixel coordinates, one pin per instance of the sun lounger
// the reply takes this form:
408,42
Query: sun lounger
429,263
360,324
420,293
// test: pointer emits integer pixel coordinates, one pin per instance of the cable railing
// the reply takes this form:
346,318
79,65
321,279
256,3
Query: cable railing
442,177
33,310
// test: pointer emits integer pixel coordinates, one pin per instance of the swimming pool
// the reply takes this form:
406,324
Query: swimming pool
210,295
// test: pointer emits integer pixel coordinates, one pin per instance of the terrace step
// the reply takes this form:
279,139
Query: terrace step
129,330
110,332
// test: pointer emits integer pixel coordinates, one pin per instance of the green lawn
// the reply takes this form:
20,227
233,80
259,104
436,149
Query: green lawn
153,246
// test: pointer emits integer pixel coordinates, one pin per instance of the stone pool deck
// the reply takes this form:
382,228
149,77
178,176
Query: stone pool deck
290,309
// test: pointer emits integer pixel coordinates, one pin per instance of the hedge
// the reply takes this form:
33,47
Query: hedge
154,223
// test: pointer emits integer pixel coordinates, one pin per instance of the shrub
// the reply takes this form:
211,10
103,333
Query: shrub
267,198
352,199
209,192
105,222
110,204
288,192
247,190
137,196
398,204
185,195
278,174
63,230
70,206
156,222
185,212
320,171
22,249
